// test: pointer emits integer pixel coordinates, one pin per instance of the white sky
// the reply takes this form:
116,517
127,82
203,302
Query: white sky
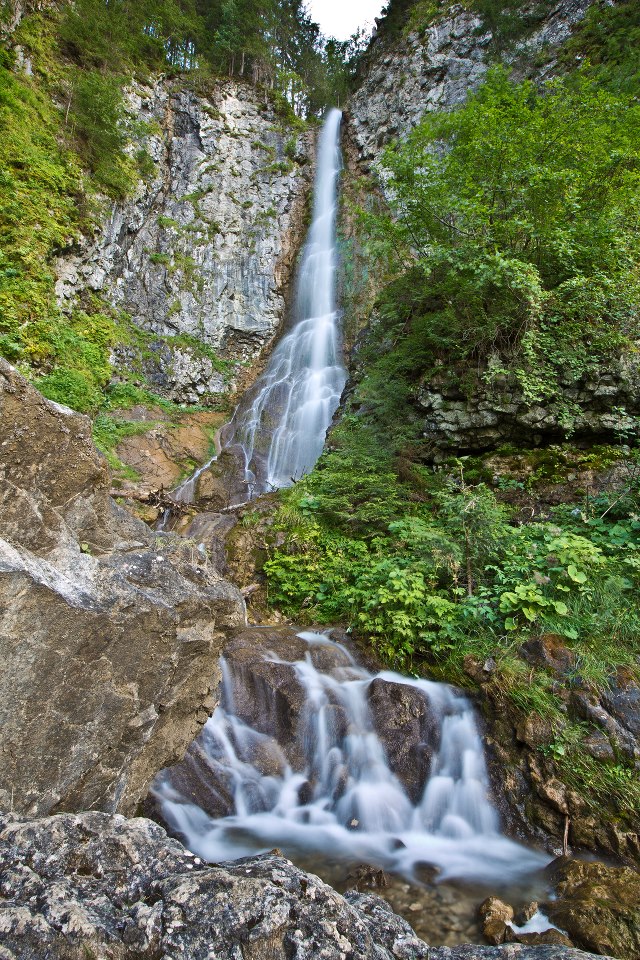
341,18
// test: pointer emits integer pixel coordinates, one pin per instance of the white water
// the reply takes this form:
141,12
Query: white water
282,423
346,805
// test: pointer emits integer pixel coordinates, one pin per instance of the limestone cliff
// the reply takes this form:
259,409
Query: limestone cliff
436,68
109,638
205,247
478,406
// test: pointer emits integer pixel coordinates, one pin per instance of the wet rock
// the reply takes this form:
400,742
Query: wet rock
598,906
526,913
496,916
212,529
223,482
366,877
495,909
495,931
166,452
408,729
115,640
546,937
198,780
103,886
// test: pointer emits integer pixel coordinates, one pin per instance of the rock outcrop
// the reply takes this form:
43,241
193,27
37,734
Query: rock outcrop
433,70
436,68
599,906
102,886
109,638
205,248
493,411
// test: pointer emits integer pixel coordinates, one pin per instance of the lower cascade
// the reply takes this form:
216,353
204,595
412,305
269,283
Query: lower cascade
334,764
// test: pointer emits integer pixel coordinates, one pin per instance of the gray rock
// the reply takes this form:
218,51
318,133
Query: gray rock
206,247
108,644
511,951
94,885
106,887
437,69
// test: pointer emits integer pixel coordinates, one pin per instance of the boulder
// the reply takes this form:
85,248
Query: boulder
102,886
95,885
109,640
550,651
409,730
598,905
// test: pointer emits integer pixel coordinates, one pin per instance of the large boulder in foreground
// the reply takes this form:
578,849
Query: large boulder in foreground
94,885
109,637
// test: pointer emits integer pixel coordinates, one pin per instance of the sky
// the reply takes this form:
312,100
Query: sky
341,18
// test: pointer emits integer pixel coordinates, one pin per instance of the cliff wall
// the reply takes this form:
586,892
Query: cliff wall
205,247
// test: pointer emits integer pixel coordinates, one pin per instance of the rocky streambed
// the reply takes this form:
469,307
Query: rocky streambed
376,783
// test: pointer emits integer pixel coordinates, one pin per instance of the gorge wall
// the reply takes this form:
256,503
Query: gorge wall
482,405
204,249
436,67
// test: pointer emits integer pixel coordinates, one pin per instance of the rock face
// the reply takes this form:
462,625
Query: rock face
13,11
109,642
490,414
102,886
472,411
527,782
436,69
205,248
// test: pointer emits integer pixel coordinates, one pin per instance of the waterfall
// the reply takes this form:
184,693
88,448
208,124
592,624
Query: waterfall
281,424
321,782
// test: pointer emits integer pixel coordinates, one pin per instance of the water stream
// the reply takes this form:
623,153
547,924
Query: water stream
322,780
321,783
280,425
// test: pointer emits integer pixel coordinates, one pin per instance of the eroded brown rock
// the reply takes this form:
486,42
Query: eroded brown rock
408,729
599,906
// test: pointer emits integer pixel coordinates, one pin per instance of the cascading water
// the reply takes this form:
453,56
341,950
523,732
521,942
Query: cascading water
279,427
329,793
282,422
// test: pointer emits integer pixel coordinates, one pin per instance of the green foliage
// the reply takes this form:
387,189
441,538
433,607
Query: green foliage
516,219
606,43
97,115
108,432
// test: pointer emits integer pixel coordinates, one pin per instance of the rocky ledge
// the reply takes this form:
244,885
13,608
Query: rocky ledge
109,636
84,886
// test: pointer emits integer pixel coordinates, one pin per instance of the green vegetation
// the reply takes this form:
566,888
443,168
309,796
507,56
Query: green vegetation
517,223
68,142
606,43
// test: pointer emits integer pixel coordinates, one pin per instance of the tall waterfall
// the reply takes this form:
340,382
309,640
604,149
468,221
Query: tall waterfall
282,422
322,784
